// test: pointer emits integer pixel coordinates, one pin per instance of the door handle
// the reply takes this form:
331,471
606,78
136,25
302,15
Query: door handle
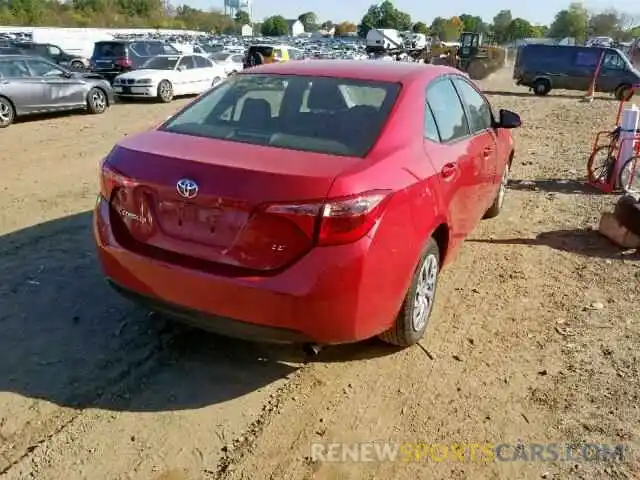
449,170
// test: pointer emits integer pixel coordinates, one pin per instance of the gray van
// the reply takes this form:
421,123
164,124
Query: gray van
545,67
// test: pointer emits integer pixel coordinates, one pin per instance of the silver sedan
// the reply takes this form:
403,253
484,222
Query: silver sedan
31,85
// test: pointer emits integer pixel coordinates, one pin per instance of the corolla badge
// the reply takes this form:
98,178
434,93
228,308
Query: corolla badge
132,216
187,188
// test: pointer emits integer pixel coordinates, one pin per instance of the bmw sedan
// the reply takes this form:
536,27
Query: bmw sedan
30,85
312,202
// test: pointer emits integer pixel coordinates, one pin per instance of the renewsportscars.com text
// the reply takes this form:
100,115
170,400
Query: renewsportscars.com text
466,452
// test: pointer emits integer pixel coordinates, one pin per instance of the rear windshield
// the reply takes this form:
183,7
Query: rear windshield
265,51
317,114
109,50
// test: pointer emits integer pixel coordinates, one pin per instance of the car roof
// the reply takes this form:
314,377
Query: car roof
398,72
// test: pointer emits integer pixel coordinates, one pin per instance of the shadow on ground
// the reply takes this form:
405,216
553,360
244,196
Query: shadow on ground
588,243
65,337
554,185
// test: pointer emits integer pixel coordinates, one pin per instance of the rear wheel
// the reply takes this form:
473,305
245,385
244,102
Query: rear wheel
411,323
7,112
96,101
165,91
77,65
541,87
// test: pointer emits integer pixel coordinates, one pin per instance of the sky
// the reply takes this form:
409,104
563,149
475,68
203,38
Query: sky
537,11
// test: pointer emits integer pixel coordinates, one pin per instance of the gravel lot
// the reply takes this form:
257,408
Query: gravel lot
535,337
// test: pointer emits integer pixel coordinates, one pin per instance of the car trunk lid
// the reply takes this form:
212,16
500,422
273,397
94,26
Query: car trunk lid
204,198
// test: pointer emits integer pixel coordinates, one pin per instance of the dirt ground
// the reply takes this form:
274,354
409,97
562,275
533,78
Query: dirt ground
535,338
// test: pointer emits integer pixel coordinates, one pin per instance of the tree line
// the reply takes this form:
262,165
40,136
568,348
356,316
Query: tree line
574,21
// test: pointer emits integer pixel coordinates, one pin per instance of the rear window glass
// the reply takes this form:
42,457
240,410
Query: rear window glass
263,50
109,49
319,114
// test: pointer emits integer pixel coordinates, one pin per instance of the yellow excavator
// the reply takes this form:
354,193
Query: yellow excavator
479,56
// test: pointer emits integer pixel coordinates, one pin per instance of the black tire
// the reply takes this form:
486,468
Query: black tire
7,112
498,201
541,87
627,212
405,332
165,91
77,65
624,93
97,102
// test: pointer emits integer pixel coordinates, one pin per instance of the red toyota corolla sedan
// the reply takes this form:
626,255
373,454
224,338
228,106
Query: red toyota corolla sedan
310,201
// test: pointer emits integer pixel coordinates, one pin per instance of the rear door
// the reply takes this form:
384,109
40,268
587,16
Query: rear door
448,146
583,68
188,77
205,74
18,84
484,143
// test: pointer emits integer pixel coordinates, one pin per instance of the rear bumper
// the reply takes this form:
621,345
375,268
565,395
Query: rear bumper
213,323
332,295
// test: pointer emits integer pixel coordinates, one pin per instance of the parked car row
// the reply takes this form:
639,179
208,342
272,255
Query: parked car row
32,85
48,51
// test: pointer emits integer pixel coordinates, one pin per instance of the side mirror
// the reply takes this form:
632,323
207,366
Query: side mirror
181,68
508,119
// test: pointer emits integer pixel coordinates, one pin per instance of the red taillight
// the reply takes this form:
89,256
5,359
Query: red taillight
110,179
336,221
124,62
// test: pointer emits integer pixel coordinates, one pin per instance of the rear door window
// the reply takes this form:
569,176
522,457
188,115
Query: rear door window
447,110
187,62
202,62
14,69
587,58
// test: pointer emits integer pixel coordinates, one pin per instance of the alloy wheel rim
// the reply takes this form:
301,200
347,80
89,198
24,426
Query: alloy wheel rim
425,292
98,100
5,113
165,90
